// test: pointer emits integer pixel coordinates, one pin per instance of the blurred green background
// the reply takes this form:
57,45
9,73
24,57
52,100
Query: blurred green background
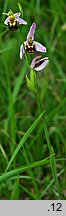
18,106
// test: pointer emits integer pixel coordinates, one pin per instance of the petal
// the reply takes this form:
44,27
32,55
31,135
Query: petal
25,43
21,51
31,31
17,14
40,64
35,60
6,21
39,47
21,21
43,65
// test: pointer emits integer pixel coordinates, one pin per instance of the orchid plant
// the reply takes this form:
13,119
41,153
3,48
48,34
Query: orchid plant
39,62
13,21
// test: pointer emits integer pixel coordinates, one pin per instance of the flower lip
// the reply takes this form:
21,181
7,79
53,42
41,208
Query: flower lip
13,25
38,63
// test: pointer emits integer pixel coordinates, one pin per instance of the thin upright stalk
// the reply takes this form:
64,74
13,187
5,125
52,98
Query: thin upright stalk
51,151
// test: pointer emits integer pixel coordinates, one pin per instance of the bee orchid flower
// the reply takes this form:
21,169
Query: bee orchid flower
13,20
38,63
30,45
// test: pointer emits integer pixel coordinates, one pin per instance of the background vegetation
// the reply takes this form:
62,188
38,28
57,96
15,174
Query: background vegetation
32,148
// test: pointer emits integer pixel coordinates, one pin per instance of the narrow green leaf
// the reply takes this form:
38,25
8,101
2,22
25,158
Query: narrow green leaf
20,8
15,190
33,78
32,195
23,140
54,169
30,85
18,83
3,152
24,168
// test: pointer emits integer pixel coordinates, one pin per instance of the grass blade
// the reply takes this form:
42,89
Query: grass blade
23,140
18,83
23,169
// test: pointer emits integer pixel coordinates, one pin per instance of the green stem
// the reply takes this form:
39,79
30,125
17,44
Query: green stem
27,63
52,158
